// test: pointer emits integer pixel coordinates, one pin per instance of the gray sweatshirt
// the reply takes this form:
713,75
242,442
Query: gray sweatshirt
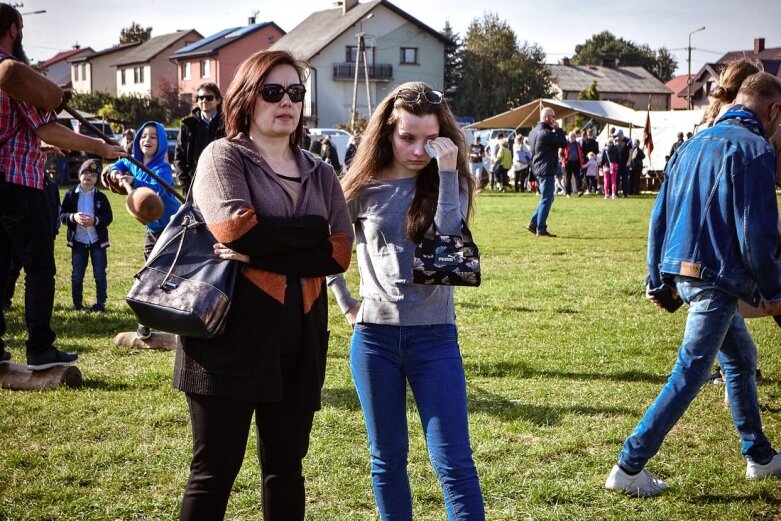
385,255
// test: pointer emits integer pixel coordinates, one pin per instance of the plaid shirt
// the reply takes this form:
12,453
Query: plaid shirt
21,158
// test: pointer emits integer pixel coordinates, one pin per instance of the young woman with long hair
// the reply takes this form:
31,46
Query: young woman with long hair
405,333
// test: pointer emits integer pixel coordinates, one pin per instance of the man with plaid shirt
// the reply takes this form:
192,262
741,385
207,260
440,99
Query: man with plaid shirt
25,219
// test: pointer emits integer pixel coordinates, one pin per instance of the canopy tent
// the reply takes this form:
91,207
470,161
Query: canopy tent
528,115
665,125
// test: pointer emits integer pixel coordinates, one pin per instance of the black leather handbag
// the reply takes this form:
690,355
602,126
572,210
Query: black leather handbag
184,287
447,260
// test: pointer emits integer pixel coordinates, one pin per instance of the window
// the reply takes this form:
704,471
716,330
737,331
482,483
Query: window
186,71
206,70
83,71
352,51
122,77
138,74
409,56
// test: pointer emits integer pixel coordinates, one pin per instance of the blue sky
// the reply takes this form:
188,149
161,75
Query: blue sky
555,25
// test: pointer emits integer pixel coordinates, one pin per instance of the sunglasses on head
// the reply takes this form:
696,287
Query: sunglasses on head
273,92
207,97
413,95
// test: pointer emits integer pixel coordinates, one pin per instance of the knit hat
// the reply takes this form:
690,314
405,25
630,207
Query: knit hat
91,165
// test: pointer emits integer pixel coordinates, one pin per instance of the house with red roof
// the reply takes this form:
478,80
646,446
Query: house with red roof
57,68
708,76
214,59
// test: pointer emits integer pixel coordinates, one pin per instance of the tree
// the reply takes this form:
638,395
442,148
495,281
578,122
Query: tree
605,47
134,33
453,62
498,73
175,107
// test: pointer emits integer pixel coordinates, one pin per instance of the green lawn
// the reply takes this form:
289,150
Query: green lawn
562,353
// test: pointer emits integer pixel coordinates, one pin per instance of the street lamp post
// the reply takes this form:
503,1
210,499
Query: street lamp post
689,61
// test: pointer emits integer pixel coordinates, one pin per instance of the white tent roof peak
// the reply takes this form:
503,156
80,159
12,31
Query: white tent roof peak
528,115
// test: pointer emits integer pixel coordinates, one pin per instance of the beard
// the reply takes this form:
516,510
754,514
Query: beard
19,53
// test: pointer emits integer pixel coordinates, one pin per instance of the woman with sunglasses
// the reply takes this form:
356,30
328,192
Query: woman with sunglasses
280,212
405,333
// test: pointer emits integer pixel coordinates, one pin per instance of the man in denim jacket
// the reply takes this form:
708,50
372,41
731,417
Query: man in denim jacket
713,240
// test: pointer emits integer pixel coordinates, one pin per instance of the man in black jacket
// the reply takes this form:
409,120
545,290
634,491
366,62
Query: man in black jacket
198,130
545,140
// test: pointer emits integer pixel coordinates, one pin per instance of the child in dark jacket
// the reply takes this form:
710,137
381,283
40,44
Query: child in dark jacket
87,214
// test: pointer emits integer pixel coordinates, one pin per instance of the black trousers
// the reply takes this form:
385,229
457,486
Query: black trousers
220,431
26,232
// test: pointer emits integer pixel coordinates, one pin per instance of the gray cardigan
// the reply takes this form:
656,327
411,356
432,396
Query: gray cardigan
388,295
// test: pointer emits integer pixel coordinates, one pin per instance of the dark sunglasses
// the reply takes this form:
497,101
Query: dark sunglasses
413,95
207,97
273,92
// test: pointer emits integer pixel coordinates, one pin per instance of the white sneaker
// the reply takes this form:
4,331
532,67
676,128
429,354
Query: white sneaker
642,484
757,471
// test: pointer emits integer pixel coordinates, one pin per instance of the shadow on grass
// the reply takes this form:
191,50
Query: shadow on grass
726,499
519,309
342,398
481,400
522,370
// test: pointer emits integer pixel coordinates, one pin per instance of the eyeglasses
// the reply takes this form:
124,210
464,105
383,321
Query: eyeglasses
413,95
207,97
273,92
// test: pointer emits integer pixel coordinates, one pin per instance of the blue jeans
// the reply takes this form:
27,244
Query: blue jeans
540,215
80,254
384,359
713,326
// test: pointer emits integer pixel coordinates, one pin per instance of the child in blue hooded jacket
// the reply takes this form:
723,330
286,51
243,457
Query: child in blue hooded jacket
149,147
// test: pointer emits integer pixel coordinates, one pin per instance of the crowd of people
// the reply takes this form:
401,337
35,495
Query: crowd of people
283,212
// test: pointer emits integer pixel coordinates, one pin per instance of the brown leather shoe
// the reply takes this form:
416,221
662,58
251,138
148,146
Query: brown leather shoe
532,227
545,234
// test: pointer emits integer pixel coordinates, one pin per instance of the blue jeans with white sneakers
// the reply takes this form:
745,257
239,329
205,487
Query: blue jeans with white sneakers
713,327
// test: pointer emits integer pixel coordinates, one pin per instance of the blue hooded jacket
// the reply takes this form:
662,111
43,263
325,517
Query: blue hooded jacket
159,166
716,214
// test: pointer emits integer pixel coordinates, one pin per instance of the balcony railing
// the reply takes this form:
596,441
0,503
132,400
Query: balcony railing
377,71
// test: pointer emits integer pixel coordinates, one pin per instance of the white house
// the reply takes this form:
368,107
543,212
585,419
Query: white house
399,48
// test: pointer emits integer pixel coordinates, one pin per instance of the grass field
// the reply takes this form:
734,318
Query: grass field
562,353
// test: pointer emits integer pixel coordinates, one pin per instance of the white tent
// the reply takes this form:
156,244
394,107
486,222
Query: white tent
665,125
528,115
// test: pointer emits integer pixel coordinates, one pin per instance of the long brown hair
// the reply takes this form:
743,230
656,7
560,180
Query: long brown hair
730,80
376,153
239,104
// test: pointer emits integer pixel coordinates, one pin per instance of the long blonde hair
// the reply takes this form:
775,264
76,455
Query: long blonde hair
730,80
375,154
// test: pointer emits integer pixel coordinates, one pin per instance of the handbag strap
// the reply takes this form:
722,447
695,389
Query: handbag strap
466,234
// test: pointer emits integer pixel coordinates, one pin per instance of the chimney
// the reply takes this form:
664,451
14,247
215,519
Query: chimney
759,45
251,20
347,5
564,61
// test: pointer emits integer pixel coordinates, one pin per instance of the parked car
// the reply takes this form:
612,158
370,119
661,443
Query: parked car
173,135
339,139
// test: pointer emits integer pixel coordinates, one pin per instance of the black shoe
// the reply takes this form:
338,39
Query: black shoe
5,357
545,234
97,308
143,332
6,305
49,359
78,308
532,227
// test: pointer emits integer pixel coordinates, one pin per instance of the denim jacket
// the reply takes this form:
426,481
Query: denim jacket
716,213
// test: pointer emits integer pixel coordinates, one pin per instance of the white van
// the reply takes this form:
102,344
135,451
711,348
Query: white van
339,139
